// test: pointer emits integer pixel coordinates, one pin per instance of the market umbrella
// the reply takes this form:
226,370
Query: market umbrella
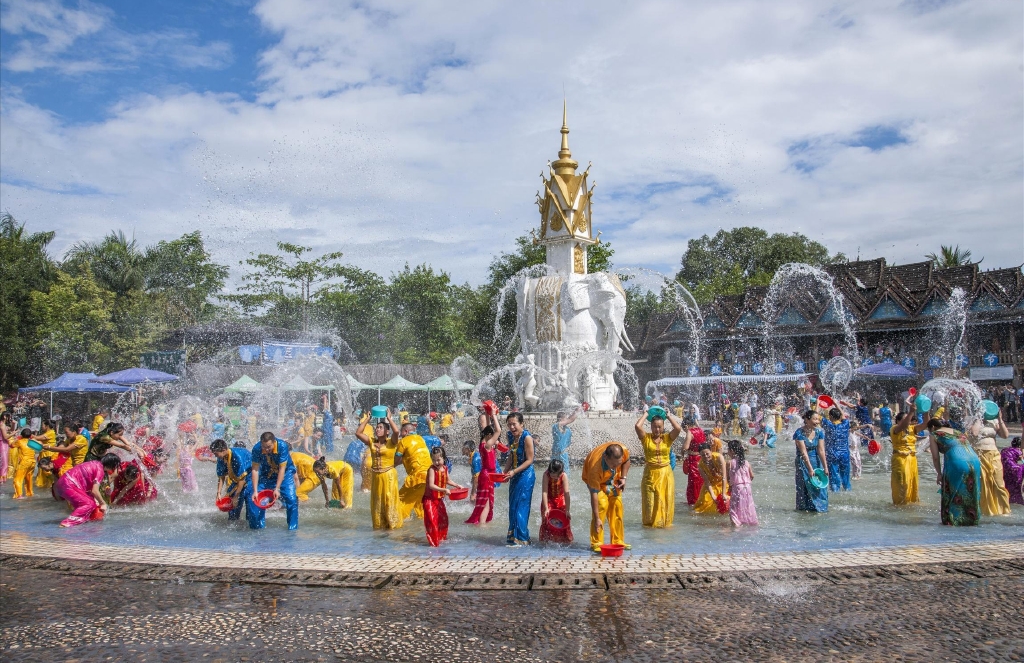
79,383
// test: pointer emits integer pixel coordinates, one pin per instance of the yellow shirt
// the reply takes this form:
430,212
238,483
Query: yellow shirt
303,465
905,443
446,420
50,441
26,454
656,451
97,423
415,455
335,468
595,475
81,444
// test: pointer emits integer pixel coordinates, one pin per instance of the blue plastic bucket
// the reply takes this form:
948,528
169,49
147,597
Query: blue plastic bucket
378,412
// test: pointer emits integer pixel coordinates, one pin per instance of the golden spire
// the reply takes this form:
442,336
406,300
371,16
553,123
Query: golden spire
565,164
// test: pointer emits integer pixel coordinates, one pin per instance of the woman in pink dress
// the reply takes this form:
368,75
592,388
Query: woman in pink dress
80,487
483,487
741,505
186,452
6,428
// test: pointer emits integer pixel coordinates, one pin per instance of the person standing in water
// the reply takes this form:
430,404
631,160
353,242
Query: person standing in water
561,437
810,456
958,475
416,460
384,509
995,500
435,515
714,494
273,469
483,486
604,472
903,480
519,466
691,463
1013,470
658,485
554,495
234,480
837,449
742,510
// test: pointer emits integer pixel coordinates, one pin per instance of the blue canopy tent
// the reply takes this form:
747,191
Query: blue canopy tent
78,383
891,371
136,376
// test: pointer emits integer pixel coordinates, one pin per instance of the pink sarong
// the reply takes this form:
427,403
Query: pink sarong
741,503
4,457
185,473
75,487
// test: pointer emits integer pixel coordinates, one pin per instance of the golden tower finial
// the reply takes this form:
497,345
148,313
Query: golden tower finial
565,164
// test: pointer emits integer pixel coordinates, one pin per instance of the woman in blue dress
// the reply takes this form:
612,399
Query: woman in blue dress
810,456
519,466
959,475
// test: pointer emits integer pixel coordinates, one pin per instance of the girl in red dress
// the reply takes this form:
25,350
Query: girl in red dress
131,486
483,488
435,515
555,495
691,466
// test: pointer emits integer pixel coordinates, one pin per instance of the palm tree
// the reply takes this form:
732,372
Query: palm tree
950,256
116,261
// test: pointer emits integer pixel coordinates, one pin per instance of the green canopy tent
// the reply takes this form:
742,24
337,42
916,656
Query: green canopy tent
398,383
356,385
244,385
446,383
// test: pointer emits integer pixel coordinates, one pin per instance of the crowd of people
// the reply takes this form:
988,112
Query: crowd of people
79,464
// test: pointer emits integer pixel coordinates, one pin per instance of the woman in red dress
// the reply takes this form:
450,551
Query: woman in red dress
435,515
483,488
555,495
691,466
131,486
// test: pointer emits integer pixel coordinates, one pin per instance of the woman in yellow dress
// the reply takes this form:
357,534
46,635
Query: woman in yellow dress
48,438
384,482
995,499
341,475
712,470
903,480
658,485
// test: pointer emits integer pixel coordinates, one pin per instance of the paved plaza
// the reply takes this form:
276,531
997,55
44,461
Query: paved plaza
87,602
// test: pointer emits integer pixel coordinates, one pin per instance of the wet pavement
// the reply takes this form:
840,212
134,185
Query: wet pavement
969,611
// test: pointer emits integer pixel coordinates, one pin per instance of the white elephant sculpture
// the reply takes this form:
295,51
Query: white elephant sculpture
561,318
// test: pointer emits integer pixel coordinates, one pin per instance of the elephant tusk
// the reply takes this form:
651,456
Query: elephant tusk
626,343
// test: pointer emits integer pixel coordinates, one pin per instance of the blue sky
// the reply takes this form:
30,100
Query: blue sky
414,131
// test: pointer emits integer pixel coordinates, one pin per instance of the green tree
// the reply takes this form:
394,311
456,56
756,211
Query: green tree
431,312
283,286
950,256
74,325
116,262
357,310
732,260
180,274
24,267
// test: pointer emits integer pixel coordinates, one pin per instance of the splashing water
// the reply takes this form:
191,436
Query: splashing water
674,294
962,398
625,376
953,326
793,279
836,375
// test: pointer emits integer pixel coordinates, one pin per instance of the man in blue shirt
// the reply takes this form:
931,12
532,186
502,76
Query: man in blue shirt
273,469
885,419
837,448
234,480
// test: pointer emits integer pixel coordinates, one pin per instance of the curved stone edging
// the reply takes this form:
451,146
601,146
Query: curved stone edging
13,544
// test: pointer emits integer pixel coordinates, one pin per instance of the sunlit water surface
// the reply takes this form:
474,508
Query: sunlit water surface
863,517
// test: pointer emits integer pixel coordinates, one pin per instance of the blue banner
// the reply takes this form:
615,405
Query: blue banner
277,353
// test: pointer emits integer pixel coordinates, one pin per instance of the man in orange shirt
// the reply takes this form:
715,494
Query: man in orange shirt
604,472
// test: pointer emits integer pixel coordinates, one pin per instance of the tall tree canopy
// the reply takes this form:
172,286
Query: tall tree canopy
730,260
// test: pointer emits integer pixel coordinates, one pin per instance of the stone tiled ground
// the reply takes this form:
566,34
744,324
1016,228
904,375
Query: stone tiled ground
968,611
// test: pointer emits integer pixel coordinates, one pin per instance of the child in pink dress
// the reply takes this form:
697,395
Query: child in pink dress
741,507
186,452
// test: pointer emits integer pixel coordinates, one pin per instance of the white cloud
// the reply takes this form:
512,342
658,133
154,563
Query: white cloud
415,132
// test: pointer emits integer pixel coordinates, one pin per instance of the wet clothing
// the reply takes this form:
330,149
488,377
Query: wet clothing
435,515
485,463
742,510
837,453
561,440
238,467
556,500
75,487
904,478
268,466
808,497
658,485
416,460
961,481
520,492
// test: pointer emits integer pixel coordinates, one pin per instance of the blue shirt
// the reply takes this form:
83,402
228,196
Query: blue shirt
863,414
812,445
837,438
560,440
241,463
477,463
329,428
269,463
885,419
354,453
